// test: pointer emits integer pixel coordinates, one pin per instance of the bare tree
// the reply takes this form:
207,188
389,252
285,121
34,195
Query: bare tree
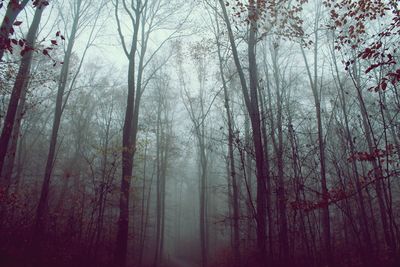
231,157
250,95
196,107
81,11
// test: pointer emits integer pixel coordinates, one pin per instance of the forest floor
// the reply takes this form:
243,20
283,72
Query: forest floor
176,262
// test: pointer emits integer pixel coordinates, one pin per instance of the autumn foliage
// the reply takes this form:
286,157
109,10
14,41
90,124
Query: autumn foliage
353,20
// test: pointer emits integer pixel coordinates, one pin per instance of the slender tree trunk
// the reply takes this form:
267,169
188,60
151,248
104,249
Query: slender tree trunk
162,159
257,138
20,85
325,195
103,187
8,166
231,169
326,225
299,190
143,206
128,148
281,194
377,170
203,208
264,112
42,208
158,184
163,194
251,99
364,225
248,172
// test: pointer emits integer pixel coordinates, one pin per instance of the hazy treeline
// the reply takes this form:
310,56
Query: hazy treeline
199,133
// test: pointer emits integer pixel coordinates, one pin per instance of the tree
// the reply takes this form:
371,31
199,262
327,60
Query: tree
163,147
349,22
250,95
80,12
21,81
316,91
196,107
146,17
14,7
231,158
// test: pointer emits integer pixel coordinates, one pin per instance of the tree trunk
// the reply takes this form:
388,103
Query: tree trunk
368,251
231,169
281,194
326,226
377,168
42,208
203,207
162,160
251,99
248,173
20,85
8,166
128,150
14,7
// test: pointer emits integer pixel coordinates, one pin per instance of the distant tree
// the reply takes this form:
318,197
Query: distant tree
196,107
145,17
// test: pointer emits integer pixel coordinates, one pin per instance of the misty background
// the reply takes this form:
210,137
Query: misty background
199,133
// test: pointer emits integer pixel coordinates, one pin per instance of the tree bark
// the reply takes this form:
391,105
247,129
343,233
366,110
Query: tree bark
20,85
129,133
8,166
14,7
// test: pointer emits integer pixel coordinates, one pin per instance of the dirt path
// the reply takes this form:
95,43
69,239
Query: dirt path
176,262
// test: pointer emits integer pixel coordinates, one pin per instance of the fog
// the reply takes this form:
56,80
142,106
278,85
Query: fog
175,133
